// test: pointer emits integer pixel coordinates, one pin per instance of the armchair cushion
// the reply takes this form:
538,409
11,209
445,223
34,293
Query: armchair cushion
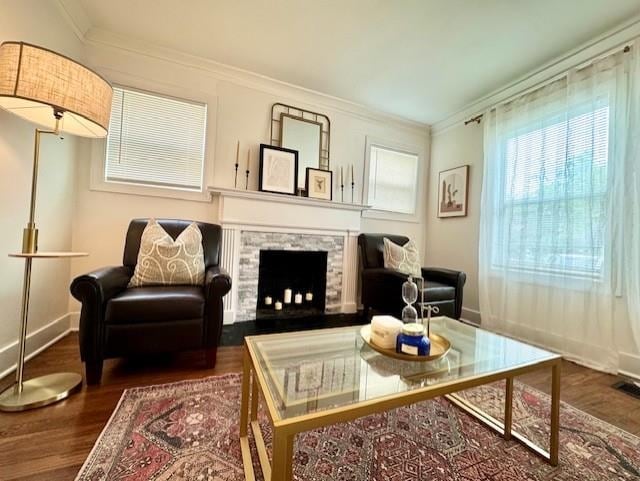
155,304
402,258
164,261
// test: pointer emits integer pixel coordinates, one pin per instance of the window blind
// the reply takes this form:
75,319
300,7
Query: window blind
155,140
554,201
392,180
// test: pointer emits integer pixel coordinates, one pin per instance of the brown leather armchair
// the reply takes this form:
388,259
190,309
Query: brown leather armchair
117,321
382,288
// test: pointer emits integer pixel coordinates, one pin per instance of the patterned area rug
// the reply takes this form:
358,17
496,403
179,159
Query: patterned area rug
188,431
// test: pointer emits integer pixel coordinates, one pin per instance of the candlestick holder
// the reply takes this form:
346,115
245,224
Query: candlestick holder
353,184
342,193
235,181
246,181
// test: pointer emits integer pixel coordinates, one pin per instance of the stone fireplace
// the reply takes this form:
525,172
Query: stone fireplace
257,225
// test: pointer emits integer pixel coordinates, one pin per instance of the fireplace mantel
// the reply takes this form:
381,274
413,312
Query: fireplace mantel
252,220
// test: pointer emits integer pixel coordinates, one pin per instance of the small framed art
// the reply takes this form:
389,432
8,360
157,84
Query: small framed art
278,170
453,187
319,184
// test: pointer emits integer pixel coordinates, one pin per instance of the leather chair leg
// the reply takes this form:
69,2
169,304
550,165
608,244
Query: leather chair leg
93,372
210,355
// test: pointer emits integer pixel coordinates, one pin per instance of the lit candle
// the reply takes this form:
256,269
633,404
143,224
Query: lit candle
278,306
268,301
308,296
298,298
287,296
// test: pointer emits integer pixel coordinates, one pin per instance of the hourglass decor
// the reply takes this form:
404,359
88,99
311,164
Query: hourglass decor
409,296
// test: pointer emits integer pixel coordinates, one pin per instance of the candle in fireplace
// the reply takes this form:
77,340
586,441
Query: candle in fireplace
278,306
268,301
298,298
308,296
287,296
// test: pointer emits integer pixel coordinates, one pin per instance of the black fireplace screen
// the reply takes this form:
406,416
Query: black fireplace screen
304,273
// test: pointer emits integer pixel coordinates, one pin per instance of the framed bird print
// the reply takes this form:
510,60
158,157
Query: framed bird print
319,184
453,189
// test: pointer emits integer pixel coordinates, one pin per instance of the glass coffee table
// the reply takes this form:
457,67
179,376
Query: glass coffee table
316,378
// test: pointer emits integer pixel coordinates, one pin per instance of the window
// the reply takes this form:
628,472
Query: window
554,195
155,141
393,175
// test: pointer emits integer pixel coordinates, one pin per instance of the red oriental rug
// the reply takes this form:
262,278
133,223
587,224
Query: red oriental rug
188,431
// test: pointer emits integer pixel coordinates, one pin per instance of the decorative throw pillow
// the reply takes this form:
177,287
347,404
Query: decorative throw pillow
163,261
402,258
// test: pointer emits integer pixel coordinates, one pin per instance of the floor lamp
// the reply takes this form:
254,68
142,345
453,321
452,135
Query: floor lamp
62,96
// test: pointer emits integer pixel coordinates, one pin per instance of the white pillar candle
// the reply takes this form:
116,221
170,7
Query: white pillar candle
268,301
298,298
287,296
278,306
308,296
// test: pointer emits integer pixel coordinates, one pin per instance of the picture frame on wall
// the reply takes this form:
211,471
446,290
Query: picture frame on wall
319,184
278,170
453,192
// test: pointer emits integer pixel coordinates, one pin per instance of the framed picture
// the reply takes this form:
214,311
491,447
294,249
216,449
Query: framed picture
278,169
319,183
453,189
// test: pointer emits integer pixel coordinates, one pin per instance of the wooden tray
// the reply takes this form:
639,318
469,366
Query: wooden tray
440,346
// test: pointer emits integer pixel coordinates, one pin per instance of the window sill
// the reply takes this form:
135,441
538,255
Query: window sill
145,191
390,216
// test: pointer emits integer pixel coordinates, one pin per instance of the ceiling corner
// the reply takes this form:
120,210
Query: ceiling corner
75,14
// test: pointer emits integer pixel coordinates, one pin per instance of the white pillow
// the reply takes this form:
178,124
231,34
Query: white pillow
404,259
163,261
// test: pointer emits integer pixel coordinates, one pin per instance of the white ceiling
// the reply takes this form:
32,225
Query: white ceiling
420,59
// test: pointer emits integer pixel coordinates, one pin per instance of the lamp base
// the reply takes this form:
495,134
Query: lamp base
40,391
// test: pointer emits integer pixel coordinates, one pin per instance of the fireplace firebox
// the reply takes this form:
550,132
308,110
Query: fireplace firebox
304,272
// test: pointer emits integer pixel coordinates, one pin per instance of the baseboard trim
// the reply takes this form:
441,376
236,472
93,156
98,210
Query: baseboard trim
629,365
37,341
471,315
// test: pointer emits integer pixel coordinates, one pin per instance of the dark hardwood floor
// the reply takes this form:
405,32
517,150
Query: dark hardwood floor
52,443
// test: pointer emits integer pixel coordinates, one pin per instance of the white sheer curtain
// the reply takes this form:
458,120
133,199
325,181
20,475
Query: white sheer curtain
559,229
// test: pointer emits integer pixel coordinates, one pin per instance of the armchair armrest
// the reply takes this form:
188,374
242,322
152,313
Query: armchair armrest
93,290
449,277
217,284
444,276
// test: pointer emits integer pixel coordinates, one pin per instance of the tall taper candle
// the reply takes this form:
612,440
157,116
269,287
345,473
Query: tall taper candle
246,182
235,182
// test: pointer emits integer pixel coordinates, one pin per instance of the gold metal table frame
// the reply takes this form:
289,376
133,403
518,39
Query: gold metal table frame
284,430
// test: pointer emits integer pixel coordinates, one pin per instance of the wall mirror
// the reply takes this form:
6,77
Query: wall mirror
305,131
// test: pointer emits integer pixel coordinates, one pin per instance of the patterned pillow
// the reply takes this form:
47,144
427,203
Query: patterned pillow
163,261
404,259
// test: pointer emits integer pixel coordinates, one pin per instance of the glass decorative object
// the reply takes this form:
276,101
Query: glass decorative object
409,296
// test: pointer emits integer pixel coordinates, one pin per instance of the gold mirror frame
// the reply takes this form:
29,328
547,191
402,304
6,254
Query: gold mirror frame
278,110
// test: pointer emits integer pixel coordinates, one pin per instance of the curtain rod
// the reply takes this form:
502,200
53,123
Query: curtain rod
478,118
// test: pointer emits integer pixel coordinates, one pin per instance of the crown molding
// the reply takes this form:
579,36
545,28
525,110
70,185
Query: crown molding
598,46
76,16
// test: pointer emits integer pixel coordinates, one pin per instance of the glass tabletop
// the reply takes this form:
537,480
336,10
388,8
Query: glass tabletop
311,371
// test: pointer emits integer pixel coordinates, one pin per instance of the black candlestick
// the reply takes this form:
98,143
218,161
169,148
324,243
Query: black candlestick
341,192
246,182
352,186
235,182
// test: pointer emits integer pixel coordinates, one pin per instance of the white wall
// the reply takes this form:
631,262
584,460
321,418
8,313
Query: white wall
243,103
453,242
38,22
